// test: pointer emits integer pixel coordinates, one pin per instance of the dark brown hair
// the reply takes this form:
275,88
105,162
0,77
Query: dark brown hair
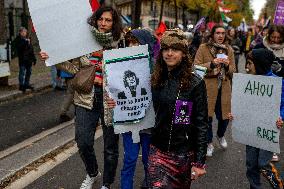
160,73
214,30
130,38
276,28
116,26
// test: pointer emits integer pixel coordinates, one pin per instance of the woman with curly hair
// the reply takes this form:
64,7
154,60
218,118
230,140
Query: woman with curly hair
179,137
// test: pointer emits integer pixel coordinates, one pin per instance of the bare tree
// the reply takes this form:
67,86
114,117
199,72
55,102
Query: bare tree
136,13
162,10
176,13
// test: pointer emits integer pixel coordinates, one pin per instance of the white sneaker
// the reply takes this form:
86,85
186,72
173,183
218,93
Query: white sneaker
222,142
104,187
89,181
210,150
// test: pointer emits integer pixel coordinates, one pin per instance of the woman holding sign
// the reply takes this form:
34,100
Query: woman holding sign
218,57
179,137
89,107
258,160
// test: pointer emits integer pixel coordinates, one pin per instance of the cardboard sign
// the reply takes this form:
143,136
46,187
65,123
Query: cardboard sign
62,28
256,107
128,82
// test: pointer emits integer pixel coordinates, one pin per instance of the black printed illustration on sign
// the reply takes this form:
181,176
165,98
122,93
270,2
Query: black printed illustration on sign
131,82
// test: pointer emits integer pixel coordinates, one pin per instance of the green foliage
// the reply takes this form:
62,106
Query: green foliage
240,9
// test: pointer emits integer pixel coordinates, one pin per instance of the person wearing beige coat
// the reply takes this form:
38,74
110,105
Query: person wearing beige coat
218,57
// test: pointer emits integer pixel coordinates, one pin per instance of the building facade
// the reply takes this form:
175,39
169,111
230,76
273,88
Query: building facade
150,13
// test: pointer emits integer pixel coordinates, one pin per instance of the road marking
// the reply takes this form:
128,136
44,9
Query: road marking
27,179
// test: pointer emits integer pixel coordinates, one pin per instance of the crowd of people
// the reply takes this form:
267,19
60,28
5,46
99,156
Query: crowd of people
173,154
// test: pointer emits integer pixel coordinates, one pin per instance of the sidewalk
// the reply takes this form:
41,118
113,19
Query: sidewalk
39,82
40,79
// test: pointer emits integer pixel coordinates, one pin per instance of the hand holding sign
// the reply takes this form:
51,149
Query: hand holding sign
110,103
255,100
279,123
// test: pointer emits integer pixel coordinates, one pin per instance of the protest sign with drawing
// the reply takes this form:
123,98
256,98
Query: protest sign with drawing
62,28
256,107
128,82
127,73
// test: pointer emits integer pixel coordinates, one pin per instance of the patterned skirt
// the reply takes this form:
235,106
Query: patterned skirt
169,170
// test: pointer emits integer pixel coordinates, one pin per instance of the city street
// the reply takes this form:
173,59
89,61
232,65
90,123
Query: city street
24,118
137,57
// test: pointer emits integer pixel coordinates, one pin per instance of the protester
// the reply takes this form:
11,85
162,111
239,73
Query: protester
274,41
68,98
258,160
131,150
218,57
259,38
257,30
178,142
56,80
236,44
26,59
194,45
89,108
247,42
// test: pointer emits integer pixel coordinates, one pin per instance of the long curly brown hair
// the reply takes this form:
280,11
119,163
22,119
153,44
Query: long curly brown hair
160,73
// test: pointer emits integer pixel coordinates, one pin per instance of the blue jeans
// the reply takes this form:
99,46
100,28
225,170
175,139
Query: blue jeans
25,73
86,122
131,152
222,124
256,159
55,82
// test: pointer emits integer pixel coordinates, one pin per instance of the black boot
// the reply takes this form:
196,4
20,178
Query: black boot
22,88
64,118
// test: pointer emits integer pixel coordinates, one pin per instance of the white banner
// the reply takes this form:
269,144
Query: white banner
256,107
128,82
62,29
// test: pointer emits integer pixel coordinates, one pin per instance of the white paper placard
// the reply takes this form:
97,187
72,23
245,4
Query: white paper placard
4,69
135,128
128,82
256,107
62,29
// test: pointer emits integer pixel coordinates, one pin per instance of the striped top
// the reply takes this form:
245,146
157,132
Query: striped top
96,59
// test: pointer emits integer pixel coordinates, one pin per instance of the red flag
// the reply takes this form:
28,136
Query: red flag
94,4
32,25
161,29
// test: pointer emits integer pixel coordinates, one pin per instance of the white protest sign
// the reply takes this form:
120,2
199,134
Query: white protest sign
128,82
256,107
135,128
62,29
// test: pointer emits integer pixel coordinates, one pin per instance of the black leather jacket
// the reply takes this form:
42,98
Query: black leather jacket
184,137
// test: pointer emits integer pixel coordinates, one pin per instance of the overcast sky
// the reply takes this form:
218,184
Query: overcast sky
257,5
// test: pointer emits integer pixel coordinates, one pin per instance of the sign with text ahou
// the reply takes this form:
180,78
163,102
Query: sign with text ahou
128,82
62,29
256,107
279,13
